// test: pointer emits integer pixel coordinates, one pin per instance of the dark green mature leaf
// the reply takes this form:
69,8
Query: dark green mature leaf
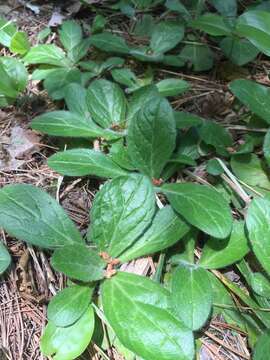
186,120
172,87
75,98
81,162
166,35
5,258
16,71
144,54
257,221
266,147
262,346
191,295
46,54
19,43
31,215
125,77
199,56
249,169
166,229
260,285
212,24
255,26
70,34
69,342
226,8
221,253
214,134
110,43
151,137
79,51
255,96
202,206
79,262
121,211
146,302
68,124
239,51
69,305
176,5
106,103
7,87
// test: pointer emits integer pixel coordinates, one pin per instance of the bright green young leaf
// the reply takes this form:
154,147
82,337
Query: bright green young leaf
19,43
150,330
172,87
255,96
106,103
260,285
151,137
255,26
70,34
191,295
7,30
70,342
79,262
262,347
257,221
166,229
239,51
110,43
121,211
69,305
68,124
251,170
31,215
214,134
202,206
199,56
221,253
5,258
266,147
212,24
46,54
81,162
166,35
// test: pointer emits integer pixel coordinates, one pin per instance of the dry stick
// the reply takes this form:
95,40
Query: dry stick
228,347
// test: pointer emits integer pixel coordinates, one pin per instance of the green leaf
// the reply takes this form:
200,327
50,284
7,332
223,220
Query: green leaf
239,51
213,167
121,211
16,71
19,43
125,77
250,169
7,87
68,124
221,253
43,34
69,305
70,34
81,162
186,120
106,103
46,54
191,295
110,43
226,8
31,215
166,35
212,24
5,258
79,262
166,229
75,98
255,26
214,134
202,206
146,302
69,342
262,347
98,24
266,147
257,221
7,30
176,5
79,51
255,96
199,56
144,54
260,285
151,137
172,87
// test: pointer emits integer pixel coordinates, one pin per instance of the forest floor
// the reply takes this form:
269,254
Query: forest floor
27,288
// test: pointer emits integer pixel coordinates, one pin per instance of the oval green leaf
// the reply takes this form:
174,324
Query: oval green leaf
5,258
